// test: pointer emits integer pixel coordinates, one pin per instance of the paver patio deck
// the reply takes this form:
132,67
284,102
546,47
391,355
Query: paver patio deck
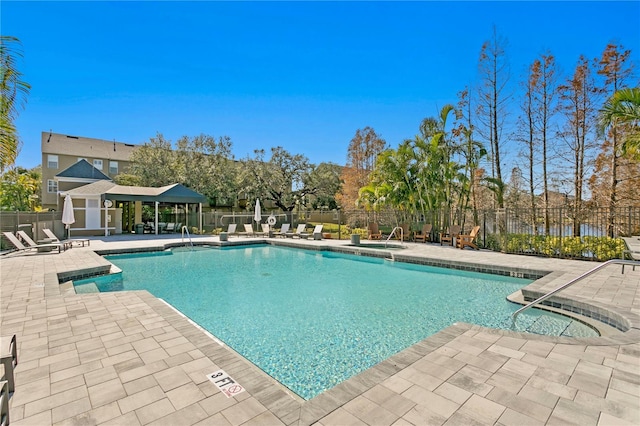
128,358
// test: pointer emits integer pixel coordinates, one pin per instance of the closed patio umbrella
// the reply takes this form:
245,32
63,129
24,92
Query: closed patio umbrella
67,214
257,215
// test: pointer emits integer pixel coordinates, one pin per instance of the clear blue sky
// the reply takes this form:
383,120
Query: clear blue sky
302,75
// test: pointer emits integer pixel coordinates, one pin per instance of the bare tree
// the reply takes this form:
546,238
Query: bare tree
577,100
493,99
361,159
538,107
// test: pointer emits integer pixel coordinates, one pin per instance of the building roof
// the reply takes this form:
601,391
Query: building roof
80,146
176,193
82,170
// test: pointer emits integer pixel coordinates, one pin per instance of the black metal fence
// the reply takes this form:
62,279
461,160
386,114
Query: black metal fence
594,234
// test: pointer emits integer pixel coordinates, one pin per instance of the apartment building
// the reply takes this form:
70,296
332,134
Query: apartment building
59,152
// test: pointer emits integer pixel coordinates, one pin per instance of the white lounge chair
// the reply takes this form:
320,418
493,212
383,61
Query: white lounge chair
231,230
27,239
54,239
283,230
21,247
299,230
265,229
248,231
317,233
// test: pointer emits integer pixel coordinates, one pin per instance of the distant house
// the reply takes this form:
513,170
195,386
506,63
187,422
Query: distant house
60,152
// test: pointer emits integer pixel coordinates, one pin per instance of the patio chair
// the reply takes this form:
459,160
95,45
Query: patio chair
54,239
374,231
283,230
317,233
299,230
468,240
424,234
9,359
449,235
406,232
171,227
21,247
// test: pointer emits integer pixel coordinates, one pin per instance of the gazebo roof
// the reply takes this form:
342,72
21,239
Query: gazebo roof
176,193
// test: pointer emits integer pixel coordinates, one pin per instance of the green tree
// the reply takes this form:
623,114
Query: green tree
202,163
283,179
206,166
20,189
13,95
623,108
325,178
615,68
155,163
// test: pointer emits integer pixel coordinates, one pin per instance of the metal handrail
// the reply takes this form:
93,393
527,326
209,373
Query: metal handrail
514,316
393,231
185,229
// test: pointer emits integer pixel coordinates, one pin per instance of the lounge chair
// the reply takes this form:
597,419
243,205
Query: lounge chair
283,230
248,231
424,235
299,230
265,230
450,235
468,240
231,230
21,247
317,233
9,359
27,239
374,231
54,239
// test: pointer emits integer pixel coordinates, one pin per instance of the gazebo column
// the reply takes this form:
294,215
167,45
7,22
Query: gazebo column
155,226
200,217
137,212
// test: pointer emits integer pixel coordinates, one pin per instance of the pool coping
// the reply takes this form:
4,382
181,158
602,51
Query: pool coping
292,409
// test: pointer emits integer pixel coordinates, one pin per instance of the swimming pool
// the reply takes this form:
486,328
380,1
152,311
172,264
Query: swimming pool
313,319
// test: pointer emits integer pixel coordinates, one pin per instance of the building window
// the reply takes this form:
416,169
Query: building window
113,167
82,158
52,161
52,186
97,164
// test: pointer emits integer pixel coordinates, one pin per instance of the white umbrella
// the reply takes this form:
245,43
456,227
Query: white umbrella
67,214
257,215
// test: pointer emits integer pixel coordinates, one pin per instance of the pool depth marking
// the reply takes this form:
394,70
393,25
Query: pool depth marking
225,383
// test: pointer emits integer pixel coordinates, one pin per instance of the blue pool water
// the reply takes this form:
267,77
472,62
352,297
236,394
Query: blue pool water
313,319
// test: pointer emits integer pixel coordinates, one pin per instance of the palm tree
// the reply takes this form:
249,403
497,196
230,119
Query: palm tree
623,108
13,92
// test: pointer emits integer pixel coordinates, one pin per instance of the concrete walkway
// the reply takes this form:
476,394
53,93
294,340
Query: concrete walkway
129,359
